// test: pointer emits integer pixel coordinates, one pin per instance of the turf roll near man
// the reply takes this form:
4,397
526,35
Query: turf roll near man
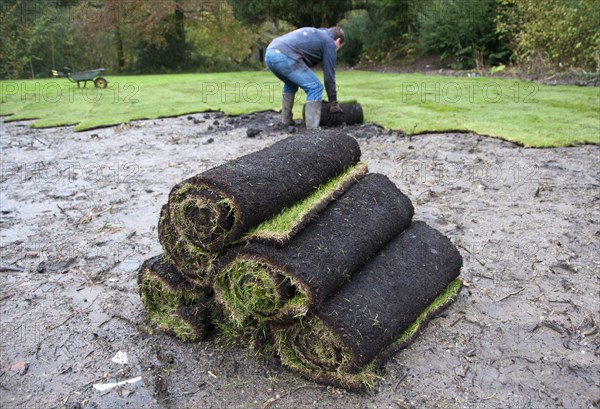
290,57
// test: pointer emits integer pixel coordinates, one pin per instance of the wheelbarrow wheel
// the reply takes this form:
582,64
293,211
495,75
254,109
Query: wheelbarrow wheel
100,82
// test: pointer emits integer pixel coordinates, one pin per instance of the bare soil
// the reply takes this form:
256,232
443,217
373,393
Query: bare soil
79,212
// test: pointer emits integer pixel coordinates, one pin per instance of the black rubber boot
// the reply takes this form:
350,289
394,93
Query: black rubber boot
287,117
312,111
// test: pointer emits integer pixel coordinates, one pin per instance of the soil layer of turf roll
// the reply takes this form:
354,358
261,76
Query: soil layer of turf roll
376,313
280,284
173,304
209,211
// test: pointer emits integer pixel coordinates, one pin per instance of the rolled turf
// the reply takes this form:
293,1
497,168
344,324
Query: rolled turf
173,304
352,113
209,211
376,313
280,284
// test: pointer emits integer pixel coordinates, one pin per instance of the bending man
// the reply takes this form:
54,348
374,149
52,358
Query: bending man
289,58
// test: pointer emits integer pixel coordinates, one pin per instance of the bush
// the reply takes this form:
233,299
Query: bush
382,33
355,31
463,32
555,34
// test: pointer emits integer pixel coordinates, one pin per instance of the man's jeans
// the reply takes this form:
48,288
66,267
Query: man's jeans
294,74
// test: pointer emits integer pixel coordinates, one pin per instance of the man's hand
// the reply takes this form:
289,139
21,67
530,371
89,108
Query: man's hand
335,108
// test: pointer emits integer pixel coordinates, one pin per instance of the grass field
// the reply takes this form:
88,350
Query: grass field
524,112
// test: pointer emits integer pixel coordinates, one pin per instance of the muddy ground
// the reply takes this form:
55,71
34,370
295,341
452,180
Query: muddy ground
79,213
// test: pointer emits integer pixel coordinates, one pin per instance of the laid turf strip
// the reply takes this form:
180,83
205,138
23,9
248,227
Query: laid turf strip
280,284
208,211
375,313
173,304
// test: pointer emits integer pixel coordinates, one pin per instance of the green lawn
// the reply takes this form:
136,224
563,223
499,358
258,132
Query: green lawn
524,112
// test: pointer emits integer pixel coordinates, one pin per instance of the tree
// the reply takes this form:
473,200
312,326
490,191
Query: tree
109,21
35,37
210,48
12,60
147,34
164,45
308,13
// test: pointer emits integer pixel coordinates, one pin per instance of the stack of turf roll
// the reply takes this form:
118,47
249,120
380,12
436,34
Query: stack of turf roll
209,213
265,283
298,247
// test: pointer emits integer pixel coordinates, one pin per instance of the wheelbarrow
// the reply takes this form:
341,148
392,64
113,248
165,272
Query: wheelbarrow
83,76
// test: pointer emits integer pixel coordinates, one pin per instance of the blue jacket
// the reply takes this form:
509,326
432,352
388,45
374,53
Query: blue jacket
312,46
